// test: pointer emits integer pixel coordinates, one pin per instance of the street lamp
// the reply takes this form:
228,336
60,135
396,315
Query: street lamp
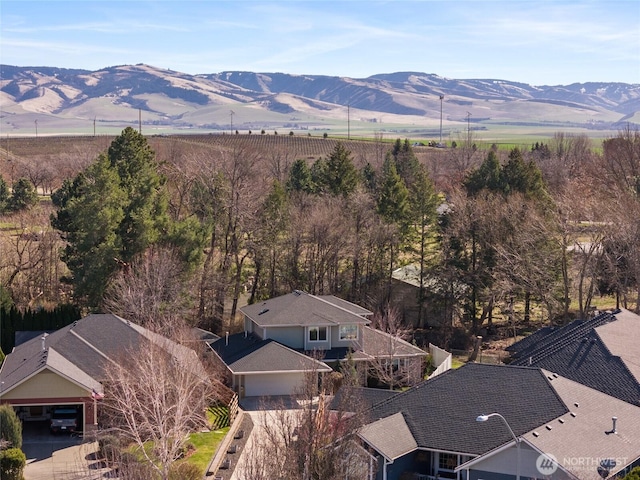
484,418
441,98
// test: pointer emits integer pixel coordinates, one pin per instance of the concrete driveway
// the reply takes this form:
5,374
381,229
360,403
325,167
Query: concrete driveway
59,457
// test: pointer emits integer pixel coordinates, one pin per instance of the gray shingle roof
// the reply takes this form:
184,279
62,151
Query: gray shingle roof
587,434
300,308
601,353
81,351
381,344
250,354
390,436
441,412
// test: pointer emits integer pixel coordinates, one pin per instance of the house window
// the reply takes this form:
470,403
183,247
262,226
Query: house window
447,463
348,332
317,334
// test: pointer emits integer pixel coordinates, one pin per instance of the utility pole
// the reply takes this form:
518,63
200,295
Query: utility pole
140,120
36,122
441,98
231,112
94,126
468,129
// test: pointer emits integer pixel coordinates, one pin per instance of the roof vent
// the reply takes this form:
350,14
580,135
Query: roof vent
614,429
264,310
577,404
297,292
573,414
536,434
548,427
43,345
561,420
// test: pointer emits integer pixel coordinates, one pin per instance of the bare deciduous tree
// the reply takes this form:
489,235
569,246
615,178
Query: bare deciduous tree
153,288
157,393
314,442
388,366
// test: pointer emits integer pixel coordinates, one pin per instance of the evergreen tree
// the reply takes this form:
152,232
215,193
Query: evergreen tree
145,218
92,221
423,204
23,197
110,213
487,176
300,177
4,194
10,426
319,176
369,177
341,176
407,164
393,199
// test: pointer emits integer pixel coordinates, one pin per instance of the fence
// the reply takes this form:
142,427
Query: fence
441,358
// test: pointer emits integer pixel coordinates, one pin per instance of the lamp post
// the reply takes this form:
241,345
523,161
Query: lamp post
484,418
441,98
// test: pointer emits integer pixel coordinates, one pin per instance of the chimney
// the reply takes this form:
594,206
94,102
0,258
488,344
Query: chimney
226,343
43,345
615,420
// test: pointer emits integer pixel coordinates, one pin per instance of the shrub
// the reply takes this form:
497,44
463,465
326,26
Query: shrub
109,448
10,426
633,474
12,462
184,471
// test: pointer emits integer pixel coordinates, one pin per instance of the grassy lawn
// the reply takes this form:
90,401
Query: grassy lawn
206,444
456,363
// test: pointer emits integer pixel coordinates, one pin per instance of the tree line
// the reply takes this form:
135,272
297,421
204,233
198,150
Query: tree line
190,230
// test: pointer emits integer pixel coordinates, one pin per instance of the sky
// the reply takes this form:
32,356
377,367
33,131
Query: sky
542,42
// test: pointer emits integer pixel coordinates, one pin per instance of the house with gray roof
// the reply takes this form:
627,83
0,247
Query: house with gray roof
286,336
67,367
551,427
601,353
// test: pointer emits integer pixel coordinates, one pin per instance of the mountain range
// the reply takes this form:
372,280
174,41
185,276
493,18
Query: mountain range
161,98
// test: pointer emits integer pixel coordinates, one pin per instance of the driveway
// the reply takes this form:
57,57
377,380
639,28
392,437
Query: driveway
58,457
262,410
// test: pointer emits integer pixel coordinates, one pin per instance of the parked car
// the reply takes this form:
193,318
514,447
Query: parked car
64,419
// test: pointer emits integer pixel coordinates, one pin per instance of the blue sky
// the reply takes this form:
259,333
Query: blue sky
542,42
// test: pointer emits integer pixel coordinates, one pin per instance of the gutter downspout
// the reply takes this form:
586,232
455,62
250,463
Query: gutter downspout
384,469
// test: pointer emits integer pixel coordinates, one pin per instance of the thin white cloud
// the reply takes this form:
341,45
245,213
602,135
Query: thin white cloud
100,27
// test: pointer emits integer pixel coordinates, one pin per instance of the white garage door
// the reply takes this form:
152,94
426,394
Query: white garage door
272,384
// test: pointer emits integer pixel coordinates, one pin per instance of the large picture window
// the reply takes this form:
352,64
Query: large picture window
317,334
348,332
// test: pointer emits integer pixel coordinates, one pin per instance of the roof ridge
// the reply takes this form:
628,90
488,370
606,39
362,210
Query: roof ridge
617,357
89,344
562,337
335,305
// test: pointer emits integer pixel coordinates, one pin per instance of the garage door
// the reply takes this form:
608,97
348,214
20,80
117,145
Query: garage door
272,384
